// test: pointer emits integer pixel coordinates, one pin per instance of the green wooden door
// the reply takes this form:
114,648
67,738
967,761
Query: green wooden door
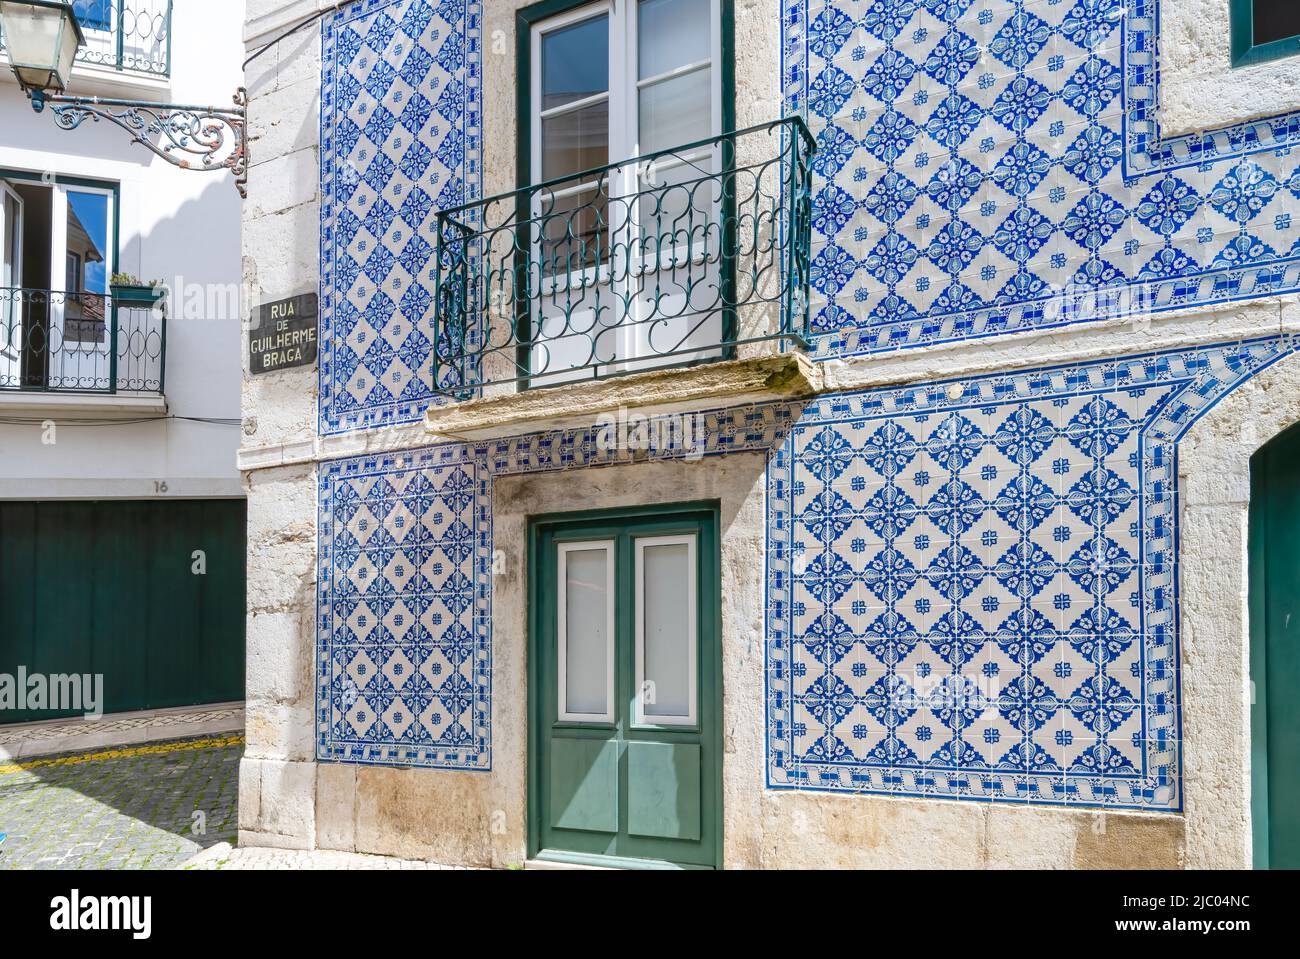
625,688
148,594
1275,651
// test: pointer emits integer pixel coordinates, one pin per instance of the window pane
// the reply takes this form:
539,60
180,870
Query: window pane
575,141
586,632
9,257
672,33
666,624
676,111
87,241
679,211
1276,20
575,62
572,216
94,14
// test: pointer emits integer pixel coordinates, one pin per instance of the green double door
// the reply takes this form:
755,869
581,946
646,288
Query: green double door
1275,651
625,688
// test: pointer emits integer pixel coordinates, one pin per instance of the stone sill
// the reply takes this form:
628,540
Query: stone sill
692,389
89,406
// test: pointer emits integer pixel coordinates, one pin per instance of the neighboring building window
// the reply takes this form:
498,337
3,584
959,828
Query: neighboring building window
94,14
1264,30
57,258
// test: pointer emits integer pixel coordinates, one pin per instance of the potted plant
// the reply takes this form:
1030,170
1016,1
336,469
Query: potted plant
130,290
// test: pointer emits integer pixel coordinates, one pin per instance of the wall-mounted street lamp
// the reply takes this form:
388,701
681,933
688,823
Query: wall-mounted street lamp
42,38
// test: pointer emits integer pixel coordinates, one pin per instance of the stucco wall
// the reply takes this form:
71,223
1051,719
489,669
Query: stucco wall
1199,87
178,226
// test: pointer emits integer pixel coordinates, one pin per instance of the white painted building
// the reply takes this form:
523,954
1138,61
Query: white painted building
106,403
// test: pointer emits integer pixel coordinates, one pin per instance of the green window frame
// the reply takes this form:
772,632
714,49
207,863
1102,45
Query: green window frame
538,13
1245,51
109,187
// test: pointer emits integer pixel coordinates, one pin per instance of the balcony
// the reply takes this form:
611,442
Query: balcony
80,343
685,257
126,36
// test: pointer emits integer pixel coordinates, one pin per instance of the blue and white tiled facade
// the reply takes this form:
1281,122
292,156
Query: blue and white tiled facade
404,667
984,162
405,552
971,587
973,594
401,119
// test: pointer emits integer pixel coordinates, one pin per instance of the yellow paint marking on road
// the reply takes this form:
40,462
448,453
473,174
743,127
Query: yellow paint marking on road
210,743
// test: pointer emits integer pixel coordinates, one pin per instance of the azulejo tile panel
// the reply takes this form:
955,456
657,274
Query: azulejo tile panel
989,166
401,121
973,586
404,577
404,662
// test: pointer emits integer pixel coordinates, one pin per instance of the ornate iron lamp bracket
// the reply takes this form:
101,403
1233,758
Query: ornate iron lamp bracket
187,136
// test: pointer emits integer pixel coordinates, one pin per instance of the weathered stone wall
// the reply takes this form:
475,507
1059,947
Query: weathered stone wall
289,798
1199,87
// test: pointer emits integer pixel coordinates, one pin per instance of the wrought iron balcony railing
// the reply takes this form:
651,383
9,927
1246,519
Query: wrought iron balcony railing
683,256
54,342
133,36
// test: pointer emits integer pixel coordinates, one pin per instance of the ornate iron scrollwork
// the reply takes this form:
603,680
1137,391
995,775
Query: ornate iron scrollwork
191,137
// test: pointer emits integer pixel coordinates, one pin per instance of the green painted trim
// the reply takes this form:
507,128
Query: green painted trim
1242,30
544,530
73,181
730,240
1258,602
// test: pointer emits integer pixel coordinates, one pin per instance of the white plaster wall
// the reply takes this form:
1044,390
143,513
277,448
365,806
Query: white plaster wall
179,226
1199,89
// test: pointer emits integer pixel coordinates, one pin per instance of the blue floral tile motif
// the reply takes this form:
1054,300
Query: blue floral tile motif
982,164
401,117
404,581
404,669
972,587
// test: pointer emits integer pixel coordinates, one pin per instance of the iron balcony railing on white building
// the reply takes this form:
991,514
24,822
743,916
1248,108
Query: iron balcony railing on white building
56,342
131,36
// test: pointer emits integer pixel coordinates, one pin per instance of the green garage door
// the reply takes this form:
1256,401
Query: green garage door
149,594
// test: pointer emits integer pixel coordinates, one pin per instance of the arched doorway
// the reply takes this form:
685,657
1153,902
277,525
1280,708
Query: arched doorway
1275,651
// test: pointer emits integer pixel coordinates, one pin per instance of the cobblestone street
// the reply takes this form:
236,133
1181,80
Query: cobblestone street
141,807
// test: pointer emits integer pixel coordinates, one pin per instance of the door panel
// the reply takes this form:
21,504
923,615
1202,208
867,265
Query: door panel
663,790
584,784
586,632
665,630
642,782
1275,651
109,588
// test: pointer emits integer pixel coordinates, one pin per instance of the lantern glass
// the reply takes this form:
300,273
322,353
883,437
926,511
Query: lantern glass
41,38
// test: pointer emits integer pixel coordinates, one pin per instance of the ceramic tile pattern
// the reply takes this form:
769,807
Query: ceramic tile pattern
973,586
984,164
400,140
404,655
